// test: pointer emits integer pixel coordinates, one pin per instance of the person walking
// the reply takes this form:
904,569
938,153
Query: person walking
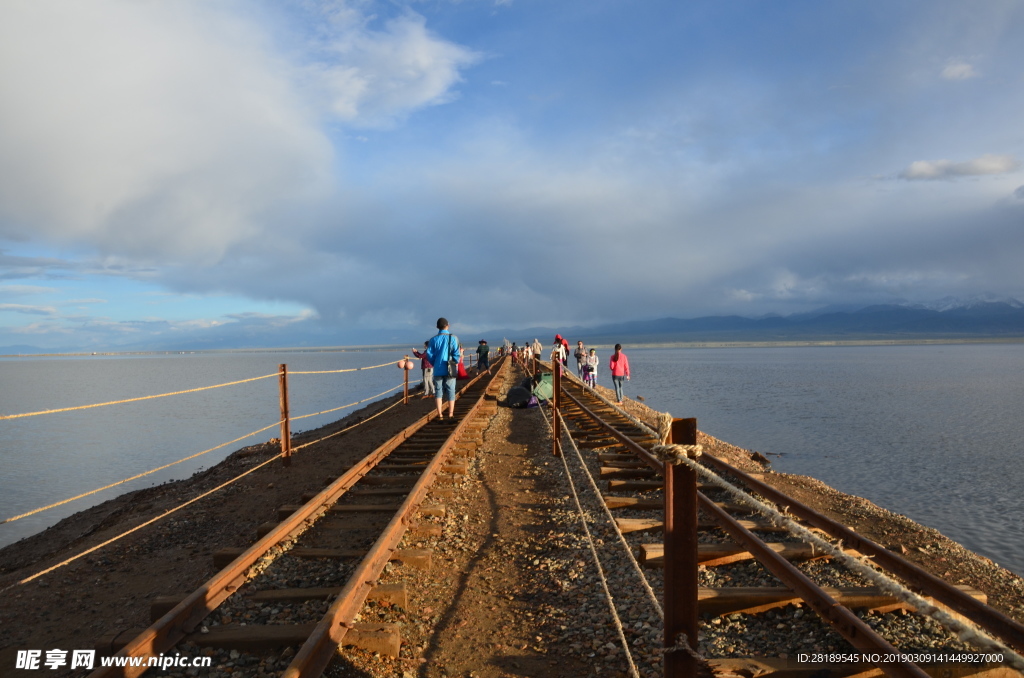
443,350
590,368
581,358
538,349
482,351
559,339
428,371
619,366
558,355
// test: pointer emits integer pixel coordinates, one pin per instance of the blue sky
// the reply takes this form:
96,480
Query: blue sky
174,170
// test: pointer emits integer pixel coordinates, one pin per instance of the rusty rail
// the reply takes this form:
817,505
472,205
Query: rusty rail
314,656
843,620
990,619
170,629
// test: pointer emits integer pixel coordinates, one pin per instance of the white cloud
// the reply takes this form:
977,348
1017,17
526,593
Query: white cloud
30,310
373,77
959,70
947,169
171,132
23,290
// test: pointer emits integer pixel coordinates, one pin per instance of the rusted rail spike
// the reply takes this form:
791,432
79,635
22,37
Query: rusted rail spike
1009,630
845,622
179,622
315,655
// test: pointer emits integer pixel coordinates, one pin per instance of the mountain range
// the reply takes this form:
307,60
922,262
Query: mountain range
949,318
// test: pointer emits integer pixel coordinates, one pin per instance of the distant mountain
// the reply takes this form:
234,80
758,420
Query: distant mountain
958,319
949,318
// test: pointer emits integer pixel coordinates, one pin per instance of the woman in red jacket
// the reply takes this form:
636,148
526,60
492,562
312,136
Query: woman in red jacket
619,365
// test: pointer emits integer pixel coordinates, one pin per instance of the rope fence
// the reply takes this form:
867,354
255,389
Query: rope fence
135,477
609,598
177,508
134,400
286,450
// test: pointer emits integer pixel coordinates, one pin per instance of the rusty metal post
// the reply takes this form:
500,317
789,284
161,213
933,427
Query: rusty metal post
286,427
556,402
681,555
405,383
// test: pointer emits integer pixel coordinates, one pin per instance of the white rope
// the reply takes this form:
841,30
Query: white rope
967,632
597,561
629,551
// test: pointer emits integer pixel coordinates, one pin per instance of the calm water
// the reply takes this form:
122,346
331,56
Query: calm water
52,457
933,432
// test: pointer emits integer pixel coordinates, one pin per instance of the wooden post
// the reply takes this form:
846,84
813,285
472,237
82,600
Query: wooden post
556,402
681,555
405,384
286,428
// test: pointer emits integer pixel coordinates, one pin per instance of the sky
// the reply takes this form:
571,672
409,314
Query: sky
180,171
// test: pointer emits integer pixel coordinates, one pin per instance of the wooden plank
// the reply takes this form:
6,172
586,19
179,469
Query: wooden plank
380,492
455,469
643,485
635,485
395,594
426,509
418,558
388,480
753,600
633,463
652,555
597,444
627,525
612,456
611,472
639,504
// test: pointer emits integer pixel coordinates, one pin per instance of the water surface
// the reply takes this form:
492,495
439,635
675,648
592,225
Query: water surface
55,456
934,432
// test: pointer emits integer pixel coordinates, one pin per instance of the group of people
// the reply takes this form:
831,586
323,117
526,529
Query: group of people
587,361
441,362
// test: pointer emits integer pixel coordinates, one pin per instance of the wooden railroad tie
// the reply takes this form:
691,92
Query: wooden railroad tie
652,555
644,485
638,504
753,600
416,558
436,510
401,486
418,530
627,525
608,472
394,594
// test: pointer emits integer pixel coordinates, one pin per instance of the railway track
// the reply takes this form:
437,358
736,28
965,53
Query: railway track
757,582
306,579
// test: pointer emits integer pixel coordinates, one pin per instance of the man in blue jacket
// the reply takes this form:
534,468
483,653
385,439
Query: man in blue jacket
441,348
